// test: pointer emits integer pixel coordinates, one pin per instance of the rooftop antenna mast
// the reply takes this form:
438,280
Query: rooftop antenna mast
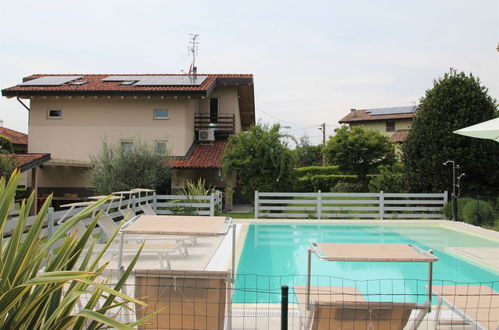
193,49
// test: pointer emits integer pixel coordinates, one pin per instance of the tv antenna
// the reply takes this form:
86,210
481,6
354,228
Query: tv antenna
193,49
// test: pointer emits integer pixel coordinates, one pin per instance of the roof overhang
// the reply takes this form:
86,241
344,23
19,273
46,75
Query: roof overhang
31,163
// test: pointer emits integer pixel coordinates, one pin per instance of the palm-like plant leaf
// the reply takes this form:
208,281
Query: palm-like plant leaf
42,280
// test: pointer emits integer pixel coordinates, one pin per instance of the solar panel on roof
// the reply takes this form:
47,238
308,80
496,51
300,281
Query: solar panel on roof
159,80
391,111
122,78
171,81
49,81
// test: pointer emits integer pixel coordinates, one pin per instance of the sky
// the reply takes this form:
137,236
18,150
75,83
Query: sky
312,61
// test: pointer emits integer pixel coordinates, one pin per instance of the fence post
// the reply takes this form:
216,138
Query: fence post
155,202
257,202
212,204
50,222
381,205
284,307
319,204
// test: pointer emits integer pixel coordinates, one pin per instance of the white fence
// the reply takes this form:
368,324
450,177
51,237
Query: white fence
349,205
162,204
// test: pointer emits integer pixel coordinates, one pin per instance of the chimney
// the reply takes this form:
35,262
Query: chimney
353,112
194,70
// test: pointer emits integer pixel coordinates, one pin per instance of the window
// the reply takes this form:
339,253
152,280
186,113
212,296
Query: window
54,114
390,126
127,146
213,110
161,147
161,114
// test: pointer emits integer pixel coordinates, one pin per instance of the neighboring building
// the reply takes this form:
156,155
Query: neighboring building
392,122
19,140
191,116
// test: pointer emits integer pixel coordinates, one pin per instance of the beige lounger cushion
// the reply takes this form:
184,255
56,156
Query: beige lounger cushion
187,299
478,302
346,308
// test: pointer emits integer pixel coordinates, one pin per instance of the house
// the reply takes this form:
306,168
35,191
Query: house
393,122
190,115
19,140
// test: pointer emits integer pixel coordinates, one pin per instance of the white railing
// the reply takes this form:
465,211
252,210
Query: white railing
321,205
162,204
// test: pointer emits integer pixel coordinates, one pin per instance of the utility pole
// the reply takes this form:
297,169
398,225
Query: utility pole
323,129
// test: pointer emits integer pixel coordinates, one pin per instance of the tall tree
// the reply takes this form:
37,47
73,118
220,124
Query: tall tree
261,160
307,154
359,151
456,100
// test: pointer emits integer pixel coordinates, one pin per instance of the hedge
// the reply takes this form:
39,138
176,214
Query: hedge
317,170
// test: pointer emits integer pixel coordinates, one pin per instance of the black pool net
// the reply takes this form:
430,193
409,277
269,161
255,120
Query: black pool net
210,300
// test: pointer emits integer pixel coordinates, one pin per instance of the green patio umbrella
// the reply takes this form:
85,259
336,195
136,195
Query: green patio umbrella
487,130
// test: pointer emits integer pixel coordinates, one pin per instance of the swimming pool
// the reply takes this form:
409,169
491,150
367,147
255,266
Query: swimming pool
275,255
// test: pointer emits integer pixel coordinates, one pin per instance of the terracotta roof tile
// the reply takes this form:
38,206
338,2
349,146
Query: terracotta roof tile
203,156
27,161
14,136
95,84
400,135
363,115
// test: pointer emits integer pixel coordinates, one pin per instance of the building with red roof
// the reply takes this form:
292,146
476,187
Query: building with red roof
191,116
393,122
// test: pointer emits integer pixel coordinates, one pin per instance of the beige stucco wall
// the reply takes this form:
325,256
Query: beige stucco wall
228,102
212,177
380,126
87,122
63,177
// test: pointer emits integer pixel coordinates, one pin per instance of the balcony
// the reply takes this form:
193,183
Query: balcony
221,123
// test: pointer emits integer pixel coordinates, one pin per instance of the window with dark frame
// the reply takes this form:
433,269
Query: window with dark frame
161,114
127,146
161,147
55,114
390,126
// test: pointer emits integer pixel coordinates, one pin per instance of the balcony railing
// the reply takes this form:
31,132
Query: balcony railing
223,122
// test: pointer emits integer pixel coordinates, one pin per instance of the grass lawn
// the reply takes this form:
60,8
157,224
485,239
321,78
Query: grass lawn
250,215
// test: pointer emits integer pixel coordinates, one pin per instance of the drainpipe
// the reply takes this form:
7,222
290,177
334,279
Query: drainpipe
19,100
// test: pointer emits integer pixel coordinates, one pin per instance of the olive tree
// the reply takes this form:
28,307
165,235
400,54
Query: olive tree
118,168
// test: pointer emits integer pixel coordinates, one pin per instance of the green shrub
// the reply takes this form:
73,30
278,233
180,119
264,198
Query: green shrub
461,203
5,145
479,213
327,182
316,170
348,187
7,164
116,168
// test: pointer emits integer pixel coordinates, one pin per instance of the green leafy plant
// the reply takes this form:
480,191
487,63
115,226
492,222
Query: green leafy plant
191,190
390,179
41,286
479,213
456,100
117,168
261,160
359,151
6,145
7,164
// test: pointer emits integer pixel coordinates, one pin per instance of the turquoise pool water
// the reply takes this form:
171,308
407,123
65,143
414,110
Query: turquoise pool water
275,255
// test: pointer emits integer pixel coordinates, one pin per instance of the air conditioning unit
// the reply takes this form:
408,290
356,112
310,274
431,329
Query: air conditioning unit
206,135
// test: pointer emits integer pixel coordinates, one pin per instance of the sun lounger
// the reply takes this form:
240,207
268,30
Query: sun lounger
477,304
147,209
330,307
185,299
108,227
345,308
161,249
